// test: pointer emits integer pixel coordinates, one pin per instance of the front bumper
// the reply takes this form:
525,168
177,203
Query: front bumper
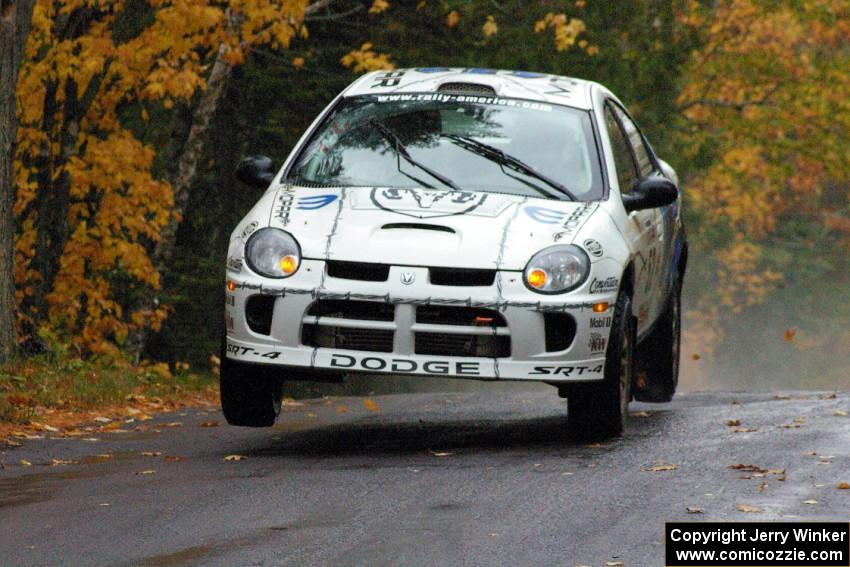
523,313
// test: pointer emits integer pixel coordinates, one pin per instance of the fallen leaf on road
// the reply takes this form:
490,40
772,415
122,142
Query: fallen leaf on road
747,468
762,486
745,429
11,443
840,413
60,462
643,414
660,466
151,453
694,510
342,409
614,563
102,419
810,501
828,396
781,397
695,356
235,457
789,335
173,424
371,405
440,453
290,403
733,422
209,424
843,486
749,509
25,463
594,446
145,472
173,458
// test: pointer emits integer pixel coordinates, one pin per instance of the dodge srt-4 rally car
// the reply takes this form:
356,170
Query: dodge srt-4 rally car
465,223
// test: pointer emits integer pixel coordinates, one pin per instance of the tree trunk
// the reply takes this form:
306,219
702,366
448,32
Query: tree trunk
183,175
14,25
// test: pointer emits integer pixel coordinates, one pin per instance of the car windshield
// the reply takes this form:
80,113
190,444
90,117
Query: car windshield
476,143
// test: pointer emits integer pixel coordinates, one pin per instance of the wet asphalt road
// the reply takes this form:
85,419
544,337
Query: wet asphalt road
430,479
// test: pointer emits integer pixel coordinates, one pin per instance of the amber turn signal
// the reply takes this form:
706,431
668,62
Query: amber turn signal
537,278
288,264
231,285
600,307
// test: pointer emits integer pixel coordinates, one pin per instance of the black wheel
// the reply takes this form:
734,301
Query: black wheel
657,357
250,396
600,409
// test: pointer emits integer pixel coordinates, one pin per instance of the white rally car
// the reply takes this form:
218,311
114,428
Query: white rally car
466,223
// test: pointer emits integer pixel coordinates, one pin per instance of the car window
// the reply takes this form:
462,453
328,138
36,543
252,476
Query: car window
623,158
644,162
354,147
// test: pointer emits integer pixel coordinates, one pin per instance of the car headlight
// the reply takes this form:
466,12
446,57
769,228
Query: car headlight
273,253
557,269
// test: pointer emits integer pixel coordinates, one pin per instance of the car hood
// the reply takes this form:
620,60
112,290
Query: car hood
424,227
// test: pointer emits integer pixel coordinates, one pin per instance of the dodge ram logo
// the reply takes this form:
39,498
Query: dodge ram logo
408,278
427,204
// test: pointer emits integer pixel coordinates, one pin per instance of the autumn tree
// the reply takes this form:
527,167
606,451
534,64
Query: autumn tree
766,101
14,26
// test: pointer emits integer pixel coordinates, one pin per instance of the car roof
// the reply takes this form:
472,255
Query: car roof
541,87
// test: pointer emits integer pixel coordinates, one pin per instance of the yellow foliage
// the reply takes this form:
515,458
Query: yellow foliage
566,31
490,27
74,153
452,18
378,6
365,59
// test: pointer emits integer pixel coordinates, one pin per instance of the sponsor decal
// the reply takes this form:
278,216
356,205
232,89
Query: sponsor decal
481,71
600,322
283,206
315,202
606,285
596,343
575,219
404,365
544,215
230,299
251,227
228,321
237,350
408,278
427,204
469,98
234,264
388,79
567,370
593,247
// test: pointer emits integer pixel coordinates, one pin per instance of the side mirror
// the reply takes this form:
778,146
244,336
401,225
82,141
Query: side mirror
668,170
256,171
651,192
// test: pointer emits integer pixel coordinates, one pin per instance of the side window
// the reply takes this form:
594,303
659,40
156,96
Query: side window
623,160
644,162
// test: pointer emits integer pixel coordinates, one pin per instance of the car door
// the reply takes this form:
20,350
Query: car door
641,226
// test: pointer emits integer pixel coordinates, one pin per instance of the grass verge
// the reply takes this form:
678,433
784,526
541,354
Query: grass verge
62,392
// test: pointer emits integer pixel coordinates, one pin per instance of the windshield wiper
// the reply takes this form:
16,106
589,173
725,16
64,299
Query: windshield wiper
495,154
401,152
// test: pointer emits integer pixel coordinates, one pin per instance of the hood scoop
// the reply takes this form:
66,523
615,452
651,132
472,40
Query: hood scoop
467,89
417,226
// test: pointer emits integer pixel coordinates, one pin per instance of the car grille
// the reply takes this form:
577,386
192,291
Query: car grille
432,330
442,344
363,271
326,336
462,277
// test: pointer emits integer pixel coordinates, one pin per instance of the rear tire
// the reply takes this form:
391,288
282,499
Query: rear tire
601,409
250,396
657,357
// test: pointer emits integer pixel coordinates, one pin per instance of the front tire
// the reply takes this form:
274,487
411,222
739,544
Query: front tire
657,357
601,409
250,397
